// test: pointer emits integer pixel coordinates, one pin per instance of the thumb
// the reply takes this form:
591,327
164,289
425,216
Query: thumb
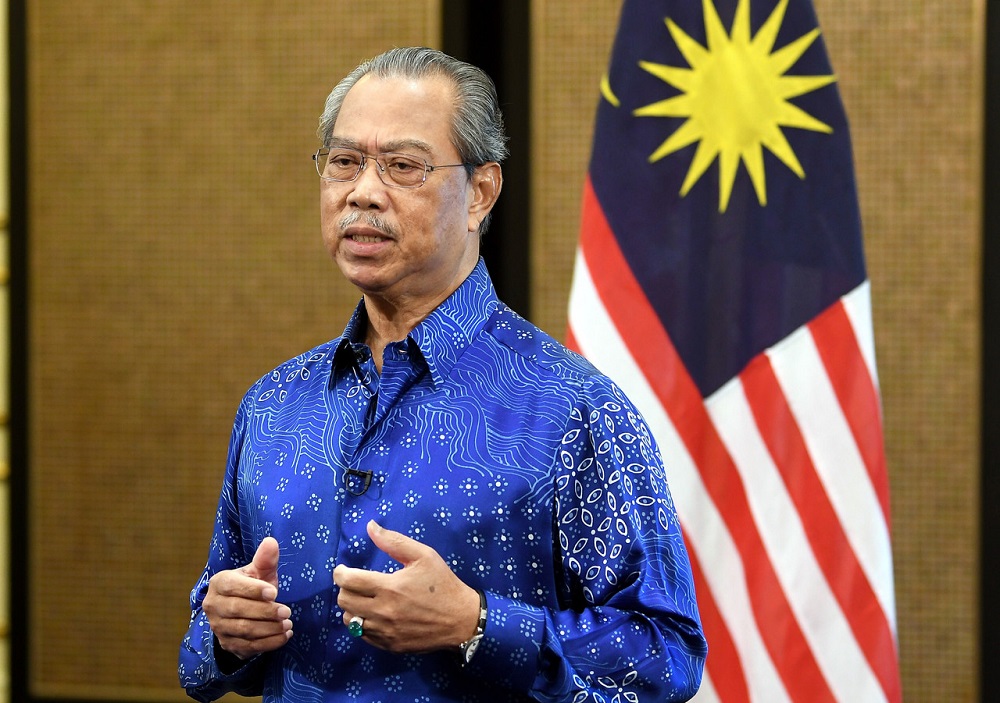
265,562
403,549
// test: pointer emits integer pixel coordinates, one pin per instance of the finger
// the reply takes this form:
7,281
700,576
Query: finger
248,610
360,582
246,648
237,584
265,561
249,629
403,549
354,603
366,625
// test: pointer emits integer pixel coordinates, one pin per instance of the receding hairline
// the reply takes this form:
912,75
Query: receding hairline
432,75
401,144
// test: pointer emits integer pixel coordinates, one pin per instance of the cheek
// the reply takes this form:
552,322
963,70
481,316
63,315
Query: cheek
451,214
331,208
328,217
328,206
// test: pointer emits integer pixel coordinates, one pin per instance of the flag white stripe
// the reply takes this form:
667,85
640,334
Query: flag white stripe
858,304
705,531
706,694
816,609
835,455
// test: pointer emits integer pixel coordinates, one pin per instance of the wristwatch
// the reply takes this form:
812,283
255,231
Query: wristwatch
469,647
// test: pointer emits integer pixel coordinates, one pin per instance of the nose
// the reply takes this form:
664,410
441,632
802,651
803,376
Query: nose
368,191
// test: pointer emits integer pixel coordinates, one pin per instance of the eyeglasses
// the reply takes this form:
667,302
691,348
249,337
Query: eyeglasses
344,164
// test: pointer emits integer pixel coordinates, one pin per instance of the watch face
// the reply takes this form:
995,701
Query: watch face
470,647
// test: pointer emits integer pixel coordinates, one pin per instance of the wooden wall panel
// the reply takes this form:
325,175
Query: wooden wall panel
174,258
911,78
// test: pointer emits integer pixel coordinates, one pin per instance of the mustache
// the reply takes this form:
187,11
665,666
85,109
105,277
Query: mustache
371,219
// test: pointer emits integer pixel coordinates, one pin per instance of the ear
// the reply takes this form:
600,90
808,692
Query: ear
484,189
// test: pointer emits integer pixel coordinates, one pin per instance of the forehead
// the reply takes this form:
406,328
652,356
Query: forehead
383,113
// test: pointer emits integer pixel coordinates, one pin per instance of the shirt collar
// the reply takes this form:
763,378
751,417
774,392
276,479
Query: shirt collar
347,347
444,335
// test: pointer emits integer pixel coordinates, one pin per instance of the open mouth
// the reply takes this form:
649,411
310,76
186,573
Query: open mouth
366,238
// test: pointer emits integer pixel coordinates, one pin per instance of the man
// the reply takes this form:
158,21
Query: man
443,503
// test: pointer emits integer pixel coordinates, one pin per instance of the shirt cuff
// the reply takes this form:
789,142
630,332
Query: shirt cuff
508,653
228,664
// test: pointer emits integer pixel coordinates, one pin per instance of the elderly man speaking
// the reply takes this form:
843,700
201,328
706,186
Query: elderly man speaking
443,503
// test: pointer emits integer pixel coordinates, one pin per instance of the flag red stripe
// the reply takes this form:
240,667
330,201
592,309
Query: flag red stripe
856,392
829,542
653,351
723,663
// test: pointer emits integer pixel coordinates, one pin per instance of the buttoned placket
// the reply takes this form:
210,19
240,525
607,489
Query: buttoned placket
381,393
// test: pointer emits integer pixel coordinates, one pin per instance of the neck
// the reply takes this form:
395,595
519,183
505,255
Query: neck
391,319
388,324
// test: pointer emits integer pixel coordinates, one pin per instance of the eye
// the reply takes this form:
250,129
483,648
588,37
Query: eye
402,164
342,159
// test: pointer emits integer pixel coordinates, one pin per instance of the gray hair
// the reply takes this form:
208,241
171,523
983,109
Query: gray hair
477,130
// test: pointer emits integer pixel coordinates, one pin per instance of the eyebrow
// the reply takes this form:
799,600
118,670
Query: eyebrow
396,145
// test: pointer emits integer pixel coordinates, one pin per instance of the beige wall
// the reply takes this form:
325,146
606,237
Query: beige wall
910,76
181,260
175,257
911,73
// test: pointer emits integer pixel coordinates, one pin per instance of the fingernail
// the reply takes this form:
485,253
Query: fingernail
375,526
284,612
269,593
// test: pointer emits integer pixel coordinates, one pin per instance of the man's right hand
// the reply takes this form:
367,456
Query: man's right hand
242,608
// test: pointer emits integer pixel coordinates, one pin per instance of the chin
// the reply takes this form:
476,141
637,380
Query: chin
368,282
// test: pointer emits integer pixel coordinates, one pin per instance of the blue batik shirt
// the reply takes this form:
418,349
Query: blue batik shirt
528,471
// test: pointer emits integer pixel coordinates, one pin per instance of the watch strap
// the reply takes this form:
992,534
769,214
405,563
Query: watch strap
471,645
481,625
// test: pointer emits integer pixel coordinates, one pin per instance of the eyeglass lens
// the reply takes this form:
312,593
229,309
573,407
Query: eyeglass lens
346,164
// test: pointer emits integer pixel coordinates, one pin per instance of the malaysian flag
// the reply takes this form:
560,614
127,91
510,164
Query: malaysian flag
720,279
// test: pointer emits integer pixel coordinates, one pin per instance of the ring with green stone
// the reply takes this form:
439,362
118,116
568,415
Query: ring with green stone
356,626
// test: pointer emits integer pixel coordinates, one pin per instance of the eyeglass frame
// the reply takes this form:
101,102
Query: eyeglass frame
380,169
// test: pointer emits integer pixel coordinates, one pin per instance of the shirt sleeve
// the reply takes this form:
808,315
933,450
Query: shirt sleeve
628,627
198,667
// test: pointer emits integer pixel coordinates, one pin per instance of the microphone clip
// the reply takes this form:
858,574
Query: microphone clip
356,481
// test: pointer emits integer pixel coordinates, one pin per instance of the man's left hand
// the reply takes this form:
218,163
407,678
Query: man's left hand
420,608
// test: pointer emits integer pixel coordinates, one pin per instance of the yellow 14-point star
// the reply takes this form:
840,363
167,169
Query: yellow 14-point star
735,96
